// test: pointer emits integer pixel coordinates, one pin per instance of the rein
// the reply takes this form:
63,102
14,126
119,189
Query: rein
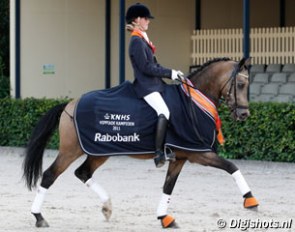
233,88
193,113
205,104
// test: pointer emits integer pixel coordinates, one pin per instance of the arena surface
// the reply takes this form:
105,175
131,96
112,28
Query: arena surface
202,198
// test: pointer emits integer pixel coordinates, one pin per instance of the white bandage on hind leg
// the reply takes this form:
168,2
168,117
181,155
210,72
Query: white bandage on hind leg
97,189
241,182
163,205
39,199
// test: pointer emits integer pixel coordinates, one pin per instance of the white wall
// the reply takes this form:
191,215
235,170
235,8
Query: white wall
68,34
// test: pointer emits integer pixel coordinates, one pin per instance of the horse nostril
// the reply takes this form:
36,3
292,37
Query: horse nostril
244,115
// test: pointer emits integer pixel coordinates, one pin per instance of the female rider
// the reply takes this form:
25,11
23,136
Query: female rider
148,73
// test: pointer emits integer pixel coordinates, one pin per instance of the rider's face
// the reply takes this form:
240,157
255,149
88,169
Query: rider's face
143,23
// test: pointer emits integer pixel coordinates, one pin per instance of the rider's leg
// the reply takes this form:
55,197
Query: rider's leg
156,101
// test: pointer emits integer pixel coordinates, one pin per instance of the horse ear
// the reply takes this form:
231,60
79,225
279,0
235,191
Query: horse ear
245,62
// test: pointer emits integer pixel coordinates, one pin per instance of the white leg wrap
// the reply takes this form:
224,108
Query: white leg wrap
241,182
98,190
163,205
39,199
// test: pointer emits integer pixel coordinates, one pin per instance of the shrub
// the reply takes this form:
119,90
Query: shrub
18,118
4,87
4,81
268,134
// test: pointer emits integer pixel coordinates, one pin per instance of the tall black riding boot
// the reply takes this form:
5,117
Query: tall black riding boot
160,137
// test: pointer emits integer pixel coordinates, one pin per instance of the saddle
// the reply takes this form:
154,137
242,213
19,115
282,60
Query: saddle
116,122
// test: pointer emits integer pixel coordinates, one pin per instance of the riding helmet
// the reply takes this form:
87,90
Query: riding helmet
137,10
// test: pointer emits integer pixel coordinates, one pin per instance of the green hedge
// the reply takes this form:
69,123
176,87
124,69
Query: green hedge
18,118
268,134
4,87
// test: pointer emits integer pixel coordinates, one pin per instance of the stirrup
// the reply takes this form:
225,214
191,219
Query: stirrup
159,159
162,157
169,154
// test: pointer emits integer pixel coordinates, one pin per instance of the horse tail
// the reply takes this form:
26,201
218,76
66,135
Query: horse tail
32,166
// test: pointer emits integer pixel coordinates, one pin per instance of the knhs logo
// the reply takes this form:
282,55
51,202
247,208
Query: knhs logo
121,117
117,117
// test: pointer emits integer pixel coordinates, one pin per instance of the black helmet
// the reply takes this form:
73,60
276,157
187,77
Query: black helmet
137,10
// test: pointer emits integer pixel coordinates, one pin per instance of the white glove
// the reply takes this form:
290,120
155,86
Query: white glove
177,75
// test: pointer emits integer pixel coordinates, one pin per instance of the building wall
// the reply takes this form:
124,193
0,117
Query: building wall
217,14
68,35
290,16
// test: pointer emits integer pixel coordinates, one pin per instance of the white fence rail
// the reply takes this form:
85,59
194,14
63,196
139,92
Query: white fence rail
267,45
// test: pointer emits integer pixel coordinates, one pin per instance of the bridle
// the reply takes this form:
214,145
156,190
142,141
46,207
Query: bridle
233,88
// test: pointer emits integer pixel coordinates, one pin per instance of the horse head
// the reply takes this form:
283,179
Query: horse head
223,78
235,91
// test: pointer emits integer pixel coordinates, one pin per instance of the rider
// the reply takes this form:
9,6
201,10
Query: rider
148,73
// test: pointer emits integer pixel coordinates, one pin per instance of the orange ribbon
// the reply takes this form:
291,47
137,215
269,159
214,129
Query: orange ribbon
137,33
205,104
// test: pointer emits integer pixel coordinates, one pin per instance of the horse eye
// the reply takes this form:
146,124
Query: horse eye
241,85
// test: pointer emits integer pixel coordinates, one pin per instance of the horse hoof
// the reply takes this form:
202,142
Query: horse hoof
107,209
251,203
169,222
42,223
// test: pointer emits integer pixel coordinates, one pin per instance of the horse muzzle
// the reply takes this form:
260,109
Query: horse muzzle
240,113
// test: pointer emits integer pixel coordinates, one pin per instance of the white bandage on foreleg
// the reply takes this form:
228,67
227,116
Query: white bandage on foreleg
97,189
163,205
241,182
39,199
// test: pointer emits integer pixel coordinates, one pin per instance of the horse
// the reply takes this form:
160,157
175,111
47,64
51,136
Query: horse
220,79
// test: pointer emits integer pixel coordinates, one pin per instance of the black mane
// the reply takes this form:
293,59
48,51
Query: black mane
201,68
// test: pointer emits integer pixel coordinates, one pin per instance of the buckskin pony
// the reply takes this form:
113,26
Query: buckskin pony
220,78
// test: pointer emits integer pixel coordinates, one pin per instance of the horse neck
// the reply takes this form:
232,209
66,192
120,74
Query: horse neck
209,84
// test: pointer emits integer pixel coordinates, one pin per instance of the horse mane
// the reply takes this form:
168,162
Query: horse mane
202,67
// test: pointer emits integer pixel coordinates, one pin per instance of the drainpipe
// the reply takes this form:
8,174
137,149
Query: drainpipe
198,15
122,42
108,44
15,11
246,32
282,13
17,49
246,28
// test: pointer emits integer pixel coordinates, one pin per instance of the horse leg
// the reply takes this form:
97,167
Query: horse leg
213,160
69,151
49,176
173,171
85,172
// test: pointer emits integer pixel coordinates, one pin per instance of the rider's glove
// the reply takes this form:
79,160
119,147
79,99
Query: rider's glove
177,75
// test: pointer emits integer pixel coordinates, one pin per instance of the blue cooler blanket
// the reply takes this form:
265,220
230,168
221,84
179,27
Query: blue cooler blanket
115,122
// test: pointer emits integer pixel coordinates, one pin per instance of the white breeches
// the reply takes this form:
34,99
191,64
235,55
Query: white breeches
156,101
